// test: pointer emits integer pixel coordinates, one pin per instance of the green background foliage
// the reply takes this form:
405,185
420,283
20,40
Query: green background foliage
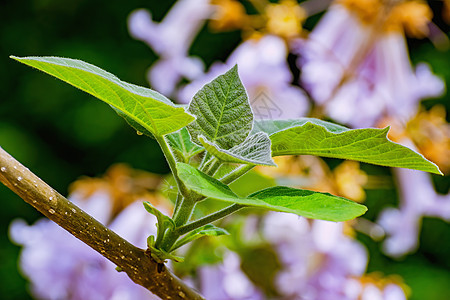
62,133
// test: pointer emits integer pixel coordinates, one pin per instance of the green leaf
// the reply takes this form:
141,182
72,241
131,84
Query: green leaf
207,230
146,110
315,137
223,112
159,255
310,204
181,145
255,150
305,203
272,126
164,222
138,127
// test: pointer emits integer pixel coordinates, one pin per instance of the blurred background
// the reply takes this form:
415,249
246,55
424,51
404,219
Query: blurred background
63,134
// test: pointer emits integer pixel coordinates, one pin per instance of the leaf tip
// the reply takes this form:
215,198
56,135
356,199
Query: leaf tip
437,170
148,207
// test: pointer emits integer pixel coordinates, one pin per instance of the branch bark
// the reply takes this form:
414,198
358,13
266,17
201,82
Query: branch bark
135,262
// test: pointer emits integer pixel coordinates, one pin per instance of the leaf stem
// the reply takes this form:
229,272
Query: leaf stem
236,173
208,219
159,235
181,216
177,203
172,164
213,166
205,161
184,212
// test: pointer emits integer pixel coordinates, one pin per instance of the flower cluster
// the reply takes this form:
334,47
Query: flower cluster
321,262
355,62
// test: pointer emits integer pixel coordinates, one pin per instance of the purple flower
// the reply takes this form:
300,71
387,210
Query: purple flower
320,262
418,199
171,40
61,267
227,281
359,71
265,74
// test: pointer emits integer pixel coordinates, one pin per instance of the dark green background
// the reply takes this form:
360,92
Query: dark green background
61,133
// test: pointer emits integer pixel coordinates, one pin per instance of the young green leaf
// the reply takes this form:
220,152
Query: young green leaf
255,150
315,137
164,222
181,145
207,230
146,110
223,112
159,255
305,203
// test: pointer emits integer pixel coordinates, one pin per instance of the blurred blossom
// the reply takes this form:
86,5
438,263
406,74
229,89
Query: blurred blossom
418,199
321,262
350,180
430,132
227,281
285,18
171,40
311,172
355,62
390,292
265,74
301,171
59,266
446,11
228,15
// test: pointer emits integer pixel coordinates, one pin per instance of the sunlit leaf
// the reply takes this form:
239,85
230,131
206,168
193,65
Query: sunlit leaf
164,222
305,203
320,138
144,109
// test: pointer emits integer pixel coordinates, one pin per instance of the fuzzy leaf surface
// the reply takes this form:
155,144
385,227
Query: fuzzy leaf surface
144,109
272,126
320,138
223,112
255,150
305,203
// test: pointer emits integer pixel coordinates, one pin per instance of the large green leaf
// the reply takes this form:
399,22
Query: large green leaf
144,109
316,137
181,145
305,203
255,150
223,112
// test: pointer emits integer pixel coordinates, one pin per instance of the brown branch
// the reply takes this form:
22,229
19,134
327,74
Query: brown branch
138,264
